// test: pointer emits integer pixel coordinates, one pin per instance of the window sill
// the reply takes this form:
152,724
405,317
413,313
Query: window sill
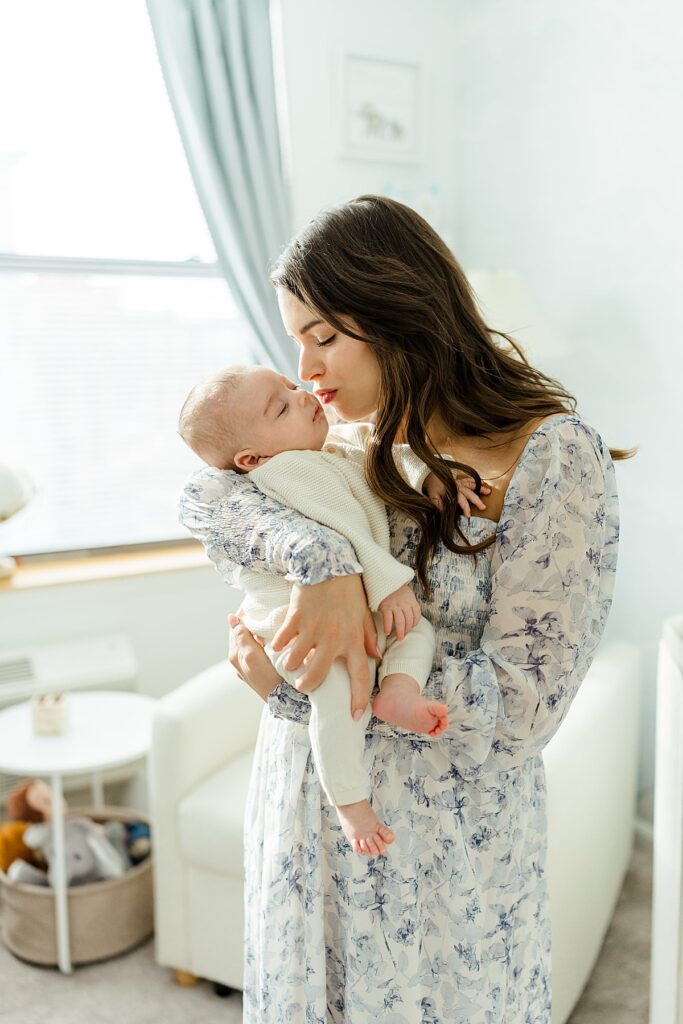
66,570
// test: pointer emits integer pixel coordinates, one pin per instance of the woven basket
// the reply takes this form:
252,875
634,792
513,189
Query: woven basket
105,918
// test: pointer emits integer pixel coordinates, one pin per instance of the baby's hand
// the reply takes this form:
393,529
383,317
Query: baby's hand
401,611
436,491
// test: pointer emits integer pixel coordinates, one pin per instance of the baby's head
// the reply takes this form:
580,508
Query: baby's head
241,416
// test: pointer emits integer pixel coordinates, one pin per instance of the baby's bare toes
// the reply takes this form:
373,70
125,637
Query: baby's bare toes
439,727
386,834
375,846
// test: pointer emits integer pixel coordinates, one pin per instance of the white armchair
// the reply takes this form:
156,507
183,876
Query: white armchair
591,769
200,761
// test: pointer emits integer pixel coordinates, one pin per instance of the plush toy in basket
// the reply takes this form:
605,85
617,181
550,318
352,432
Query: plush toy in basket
28,803
93,852
107,917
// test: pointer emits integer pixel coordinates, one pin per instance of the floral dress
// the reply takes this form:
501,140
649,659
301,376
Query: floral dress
451,924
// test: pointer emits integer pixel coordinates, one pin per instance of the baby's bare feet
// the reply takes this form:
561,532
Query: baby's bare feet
363,829
399,702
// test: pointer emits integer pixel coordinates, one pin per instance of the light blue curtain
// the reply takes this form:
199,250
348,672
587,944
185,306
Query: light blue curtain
216,59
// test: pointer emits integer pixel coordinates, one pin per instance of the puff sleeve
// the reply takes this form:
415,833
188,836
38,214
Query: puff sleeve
552,577
240,527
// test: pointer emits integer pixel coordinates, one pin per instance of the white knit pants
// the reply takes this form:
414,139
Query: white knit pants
337,741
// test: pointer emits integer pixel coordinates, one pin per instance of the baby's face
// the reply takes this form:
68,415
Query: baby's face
278,416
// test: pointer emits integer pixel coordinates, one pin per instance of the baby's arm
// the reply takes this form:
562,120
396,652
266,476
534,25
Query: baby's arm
400,611
337,496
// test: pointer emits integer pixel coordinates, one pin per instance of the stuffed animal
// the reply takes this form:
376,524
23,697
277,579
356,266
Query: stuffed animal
12,846
115,831
89,854
139,842
27,803
31,801
131,838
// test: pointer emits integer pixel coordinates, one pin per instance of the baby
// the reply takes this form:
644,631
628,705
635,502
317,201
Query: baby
253,420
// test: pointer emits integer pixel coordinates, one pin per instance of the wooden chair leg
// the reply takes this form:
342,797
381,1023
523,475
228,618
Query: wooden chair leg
222,990
185,979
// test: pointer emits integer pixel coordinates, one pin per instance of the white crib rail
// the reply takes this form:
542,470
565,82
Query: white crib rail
666,1002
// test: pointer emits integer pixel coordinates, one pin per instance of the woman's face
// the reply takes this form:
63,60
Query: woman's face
344,372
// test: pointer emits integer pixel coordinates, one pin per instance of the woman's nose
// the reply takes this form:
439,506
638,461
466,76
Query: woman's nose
309,365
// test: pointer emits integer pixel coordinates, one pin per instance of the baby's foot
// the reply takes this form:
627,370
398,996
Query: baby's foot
363,829
399,702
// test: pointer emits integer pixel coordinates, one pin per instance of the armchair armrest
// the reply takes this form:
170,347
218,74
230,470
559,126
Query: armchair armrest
198,728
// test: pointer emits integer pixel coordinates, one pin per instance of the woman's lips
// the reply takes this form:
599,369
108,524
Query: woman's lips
326,396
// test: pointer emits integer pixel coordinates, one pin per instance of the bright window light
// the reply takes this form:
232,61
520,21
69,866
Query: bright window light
90,159
111,304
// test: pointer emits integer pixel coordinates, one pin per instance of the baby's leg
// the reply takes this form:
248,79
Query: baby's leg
338,744
404,671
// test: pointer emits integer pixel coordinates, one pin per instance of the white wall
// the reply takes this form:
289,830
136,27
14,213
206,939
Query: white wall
569,169
315,36
176,621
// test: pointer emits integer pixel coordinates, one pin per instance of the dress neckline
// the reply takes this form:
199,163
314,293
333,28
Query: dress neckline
525,450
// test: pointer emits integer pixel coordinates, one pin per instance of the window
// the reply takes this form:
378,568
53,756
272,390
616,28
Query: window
111,303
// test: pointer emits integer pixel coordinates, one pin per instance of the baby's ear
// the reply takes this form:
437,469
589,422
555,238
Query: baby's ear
246,460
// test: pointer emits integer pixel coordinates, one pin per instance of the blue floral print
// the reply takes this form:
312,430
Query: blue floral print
451,924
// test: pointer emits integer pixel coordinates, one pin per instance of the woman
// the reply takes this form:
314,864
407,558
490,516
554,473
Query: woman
452,923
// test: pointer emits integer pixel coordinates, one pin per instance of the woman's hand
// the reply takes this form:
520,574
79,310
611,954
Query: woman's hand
327,621
249,660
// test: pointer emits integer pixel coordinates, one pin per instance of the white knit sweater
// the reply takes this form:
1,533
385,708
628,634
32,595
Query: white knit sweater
329,486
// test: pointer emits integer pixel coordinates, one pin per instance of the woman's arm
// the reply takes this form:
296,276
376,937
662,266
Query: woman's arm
552,581
241,527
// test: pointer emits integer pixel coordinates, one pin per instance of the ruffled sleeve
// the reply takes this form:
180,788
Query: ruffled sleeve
241,527
552,577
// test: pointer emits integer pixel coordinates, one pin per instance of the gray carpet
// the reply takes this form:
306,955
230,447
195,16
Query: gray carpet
132,989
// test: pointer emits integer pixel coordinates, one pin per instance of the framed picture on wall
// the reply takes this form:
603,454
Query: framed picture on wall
379,109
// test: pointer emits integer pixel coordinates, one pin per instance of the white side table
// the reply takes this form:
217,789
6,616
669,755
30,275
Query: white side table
105,730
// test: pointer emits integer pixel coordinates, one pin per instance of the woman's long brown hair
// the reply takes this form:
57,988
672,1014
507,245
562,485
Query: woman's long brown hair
379,263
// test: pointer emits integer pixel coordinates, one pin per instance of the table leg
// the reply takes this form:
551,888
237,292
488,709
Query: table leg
97,787
59,881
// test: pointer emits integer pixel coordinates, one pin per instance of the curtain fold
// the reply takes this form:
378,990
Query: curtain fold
216,60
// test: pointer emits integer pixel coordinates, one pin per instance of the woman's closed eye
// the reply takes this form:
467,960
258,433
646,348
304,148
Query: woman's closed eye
328,341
